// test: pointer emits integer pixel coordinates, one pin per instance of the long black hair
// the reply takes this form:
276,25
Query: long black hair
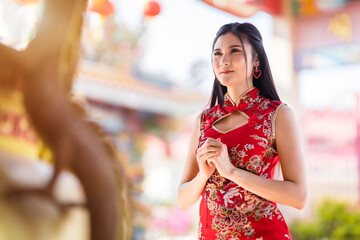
265,84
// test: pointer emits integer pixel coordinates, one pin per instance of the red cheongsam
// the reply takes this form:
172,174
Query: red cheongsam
228,211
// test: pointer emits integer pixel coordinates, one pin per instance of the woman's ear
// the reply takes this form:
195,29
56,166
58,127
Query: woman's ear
256,60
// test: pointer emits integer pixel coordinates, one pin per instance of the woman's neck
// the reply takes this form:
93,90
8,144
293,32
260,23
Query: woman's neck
236,93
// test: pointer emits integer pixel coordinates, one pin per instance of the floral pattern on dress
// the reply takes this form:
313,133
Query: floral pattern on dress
234,212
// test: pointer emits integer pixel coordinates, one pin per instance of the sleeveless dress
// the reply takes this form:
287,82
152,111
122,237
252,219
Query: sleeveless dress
228,211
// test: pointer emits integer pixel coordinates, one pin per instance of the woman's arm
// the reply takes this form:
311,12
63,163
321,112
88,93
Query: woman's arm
292,191
194,179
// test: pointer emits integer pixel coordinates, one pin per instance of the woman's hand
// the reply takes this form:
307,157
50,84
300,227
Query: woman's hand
221,161
210,149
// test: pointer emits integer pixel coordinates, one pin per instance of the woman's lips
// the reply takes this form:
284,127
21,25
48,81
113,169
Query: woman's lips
226,72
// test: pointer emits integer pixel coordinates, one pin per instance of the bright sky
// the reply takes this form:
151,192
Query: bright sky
182,34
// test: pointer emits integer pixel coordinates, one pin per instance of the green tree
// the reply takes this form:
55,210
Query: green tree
333,220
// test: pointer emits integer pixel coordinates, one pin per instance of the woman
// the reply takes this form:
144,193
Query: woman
233,153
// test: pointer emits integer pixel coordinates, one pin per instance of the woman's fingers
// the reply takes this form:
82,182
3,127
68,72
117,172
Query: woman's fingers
211,162
209,152
213,142
210,145
209,148
207,155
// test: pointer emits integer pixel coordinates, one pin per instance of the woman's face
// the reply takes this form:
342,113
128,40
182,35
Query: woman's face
229,61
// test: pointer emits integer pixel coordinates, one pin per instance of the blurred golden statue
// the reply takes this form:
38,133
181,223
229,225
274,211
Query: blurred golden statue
36,113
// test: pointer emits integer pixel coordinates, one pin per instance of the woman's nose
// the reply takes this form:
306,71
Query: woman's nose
225,60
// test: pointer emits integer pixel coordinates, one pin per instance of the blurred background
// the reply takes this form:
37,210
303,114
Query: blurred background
145,74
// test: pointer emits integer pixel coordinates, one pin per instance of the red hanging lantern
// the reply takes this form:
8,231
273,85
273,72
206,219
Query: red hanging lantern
103,7
271,6
151,9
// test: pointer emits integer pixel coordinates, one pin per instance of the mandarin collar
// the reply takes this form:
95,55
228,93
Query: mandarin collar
245,98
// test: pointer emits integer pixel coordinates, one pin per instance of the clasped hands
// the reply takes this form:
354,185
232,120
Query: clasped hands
213,154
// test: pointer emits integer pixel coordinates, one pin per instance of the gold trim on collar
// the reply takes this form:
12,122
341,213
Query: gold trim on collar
239,98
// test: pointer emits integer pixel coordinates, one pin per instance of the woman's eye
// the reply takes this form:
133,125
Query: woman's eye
235,50
217,53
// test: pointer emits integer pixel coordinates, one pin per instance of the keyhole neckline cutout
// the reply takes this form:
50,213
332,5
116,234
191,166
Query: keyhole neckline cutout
231,129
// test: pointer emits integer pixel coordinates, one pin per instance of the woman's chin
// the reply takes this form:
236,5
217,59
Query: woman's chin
225,82
231,82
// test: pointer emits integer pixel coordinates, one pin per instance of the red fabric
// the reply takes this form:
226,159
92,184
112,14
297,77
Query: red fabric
228,211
